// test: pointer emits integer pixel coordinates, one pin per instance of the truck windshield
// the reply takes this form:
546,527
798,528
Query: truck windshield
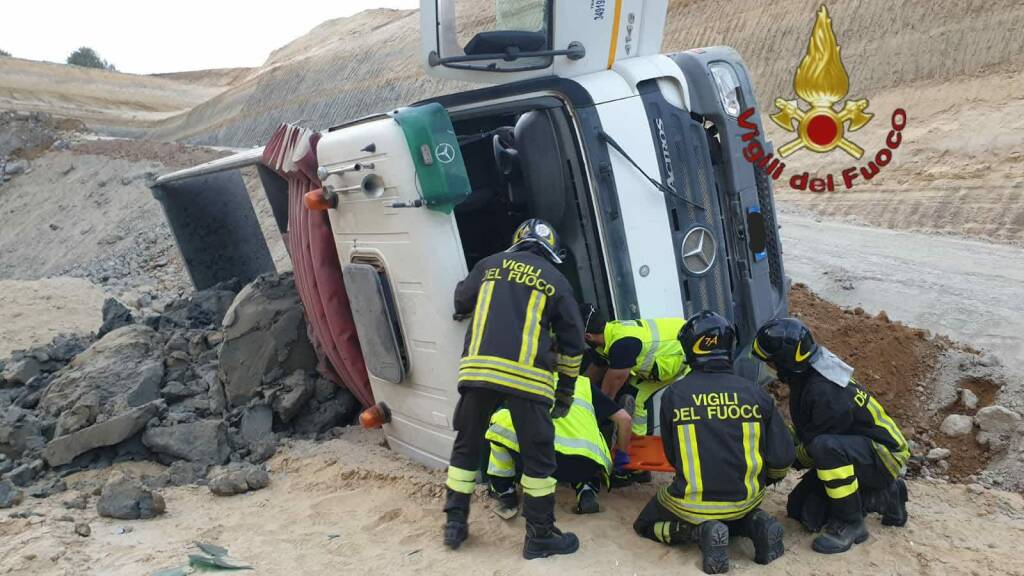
506,30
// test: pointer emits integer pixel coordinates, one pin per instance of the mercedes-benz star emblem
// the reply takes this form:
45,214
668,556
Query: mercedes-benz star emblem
698,250
444,152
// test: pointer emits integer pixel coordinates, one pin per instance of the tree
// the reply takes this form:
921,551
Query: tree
88,58
4,53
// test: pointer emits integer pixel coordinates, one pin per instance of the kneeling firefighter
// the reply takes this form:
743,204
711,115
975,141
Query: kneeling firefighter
581,453
526,326
855,452
633,359
727,442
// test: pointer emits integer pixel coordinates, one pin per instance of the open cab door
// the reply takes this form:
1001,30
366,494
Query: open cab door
500,41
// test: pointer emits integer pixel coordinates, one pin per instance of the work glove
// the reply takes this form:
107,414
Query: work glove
563,397
621,460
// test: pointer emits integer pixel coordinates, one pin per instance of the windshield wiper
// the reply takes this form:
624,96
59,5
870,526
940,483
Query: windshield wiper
664,188
574,51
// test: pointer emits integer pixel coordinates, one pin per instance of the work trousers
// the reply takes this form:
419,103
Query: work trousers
844,466
659,524
536,434
571,469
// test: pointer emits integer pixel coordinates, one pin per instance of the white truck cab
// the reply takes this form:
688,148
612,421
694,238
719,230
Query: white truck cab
634,157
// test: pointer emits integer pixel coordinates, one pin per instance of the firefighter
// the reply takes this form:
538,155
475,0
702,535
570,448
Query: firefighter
525,327
581,453
854,451
639,357
727,442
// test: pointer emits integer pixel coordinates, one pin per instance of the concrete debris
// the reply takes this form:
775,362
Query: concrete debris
956,425
157,389
294,394
937,454
21,433
121,371
204,442
64,449
184,473
998,419
128,499
264,333
20,371
10,495
23,475
319,418
237,479
115,315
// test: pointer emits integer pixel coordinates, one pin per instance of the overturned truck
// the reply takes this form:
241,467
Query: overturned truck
634,156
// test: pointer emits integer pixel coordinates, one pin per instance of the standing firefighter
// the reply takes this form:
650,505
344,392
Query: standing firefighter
526,326
640,356
727,442
854,450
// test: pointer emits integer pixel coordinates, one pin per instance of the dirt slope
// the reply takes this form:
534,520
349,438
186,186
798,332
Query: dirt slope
350,505
102,99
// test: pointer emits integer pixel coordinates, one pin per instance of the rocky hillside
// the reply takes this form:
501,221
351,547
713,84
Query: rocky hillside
351,67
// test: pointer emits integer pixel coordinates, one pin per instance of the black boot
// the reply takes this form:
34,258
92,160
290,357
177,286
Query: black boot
840,535
766,533
641,476
506,496
895,513
713,538
586,499
808,504
543,539
456,529
621,479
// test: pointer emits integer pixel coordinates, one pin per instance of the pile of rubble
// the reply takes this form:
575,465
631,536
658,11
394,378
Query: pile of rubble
206,386
26,135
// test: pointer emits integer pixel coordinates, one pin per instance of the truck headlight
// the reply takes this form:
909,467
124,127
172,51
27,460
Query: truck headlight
727,83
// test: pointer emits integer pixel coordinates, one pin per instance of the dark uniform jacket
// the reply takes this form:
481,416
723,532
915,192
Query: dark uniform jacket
726,439
819,406
526,326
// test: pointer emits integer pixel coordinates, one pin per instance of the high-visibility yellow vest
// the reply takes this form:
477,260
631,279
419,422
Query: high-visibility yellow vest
576,433
661,347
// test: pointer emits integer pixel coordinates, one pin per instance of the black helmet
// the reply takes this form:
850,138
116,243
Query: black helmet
786,343
538,232
707,337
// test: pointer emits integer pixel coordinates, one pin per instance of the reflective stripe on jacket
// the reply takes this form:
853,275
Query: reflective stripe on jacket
725,438
526,325
660,346
576,434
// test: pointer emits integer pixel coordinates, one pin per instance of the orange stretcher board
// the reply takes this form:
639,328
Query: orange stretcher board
647,453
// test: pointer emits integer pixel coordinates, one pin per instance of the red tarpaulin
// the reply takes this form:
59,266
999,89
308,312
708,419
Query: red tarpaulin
291,153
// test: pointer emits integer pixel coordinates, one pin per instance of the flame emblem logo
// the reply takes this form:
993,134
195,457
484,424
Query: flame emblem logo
821,81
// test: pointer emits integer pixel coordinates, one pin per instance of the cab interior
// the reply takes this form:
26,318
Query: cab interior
524,161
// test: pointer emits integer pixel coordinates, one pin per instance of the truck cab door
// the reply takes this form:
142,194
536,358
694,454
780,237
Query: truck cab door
394,180
500,41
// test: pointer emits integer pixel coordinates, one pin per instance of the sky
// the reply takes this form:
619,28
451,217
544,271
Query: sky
151,36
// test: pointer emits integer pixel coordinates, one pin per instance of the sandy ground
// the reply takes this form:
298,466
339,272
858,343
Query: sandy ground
350,504
33,312
970,291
